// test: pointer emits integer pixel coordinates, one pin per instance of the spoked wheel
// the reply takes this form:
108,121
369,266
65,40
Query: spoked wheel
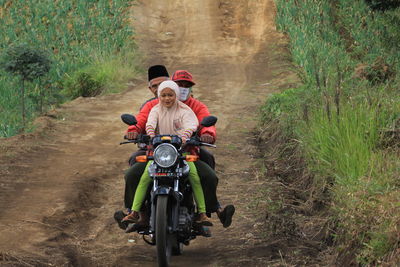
163,237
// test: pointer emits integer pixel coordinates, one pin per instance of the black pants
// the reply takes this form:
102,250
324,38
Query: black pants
209,183
207,157
208,178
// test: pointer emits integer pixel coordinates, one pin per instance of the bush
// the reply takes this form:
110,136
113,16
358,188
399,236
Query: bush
27,62
277,104
383,5
104,75
82,83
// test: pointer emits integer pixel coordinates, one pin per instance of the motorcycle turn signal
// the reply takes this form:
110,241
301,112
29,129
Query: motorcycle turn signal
142,158
191,158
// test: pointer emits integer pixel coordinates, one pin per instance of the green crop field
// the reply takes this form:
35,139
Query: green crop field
82,38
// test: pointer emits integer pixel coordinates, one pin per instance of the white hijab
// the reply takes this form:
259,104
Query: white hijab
168,84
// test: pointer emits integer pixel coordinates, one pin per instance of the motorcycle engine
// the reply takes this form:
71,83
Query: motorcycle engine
185,223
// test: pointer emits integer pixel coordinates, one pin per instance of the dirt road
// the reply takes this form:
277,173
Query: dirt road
60,188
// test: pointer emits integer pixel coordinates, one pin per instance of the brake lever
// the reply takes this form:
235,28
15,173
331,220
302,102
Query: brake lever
128,142
207,144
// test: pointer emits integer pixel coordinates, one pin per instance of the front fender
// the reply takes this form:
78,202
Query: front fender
165,191
162,191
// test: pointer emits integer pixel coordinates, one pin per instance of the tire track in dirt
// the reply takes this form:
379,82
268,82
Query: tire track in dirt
60,212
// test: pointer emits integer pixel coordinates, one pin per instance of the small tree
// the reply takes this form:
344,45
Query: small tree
27,63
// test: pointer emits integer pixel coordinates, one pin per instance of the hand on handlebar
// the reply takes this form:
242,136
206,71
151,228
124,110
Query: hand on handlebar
206,138
132,132
191,141
132,135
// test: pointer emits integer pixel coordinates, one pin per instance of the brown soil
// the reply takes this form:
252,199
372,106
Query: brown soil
60,186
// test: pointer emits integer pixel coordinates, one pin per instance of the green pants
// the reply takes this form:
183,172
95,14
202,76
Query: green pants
194,180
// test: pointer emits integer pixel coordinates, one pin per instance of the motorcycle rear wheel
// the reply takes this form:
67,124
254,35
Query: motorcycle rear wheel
163,237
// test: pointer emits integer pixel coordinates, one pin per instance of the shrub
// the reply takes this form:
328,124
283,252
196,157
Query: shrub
103,75
383,5
29,64
82,83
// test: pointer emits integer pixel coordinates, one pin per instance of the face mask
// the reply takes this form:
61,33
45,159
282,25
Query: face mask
184,93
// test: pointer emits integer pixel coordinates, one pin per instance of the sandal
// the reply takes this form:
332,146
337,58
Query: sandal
118,216
203,220
226,215
132,217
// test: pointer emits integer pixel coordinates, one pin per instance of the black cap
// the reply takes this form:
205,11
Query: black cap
157,71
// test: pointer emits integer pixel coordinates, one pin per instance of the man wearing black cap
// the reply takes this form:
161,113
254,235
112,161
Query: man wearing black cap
156,75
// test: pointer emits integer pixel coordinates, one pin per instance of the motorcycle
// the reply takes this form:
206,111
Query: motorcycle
171,206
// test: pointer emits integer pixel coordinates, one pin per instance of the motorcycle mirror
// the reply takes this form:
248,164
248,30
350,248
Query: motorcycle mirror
209,121
129,119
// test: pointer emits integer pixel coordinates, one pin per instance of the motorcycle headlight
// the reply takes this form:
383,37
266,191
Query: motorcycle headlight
165,155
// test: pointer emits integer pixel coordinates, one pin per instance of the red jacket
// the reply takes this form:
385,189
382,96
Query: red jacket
198,108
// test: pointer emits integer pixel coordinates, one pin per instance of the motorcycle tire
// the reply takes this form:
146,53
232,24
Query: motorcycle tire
163,237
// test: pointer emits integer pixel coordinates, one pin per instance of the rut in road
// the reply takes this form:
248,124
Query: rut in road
57,200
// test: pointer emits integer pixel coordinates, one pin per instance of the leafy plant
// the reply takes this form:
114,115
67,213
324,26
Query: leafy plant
82,83
29,64
26,62
383,4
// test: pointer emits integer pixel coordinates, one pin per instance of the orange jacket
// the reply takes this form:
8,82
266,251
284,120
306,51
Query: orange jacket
198,108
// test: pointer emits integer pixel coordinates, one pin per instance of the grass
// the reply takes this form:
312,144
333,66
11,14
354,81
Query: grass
341,147
347,57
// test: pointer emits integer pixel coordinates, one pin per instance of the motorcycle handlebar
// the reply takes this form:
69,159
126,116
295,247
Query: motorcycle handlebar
195,142
145,139
141,139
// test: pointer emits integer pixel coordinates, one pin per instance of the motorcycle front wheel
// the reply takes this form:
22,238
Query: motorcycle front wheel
163,237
